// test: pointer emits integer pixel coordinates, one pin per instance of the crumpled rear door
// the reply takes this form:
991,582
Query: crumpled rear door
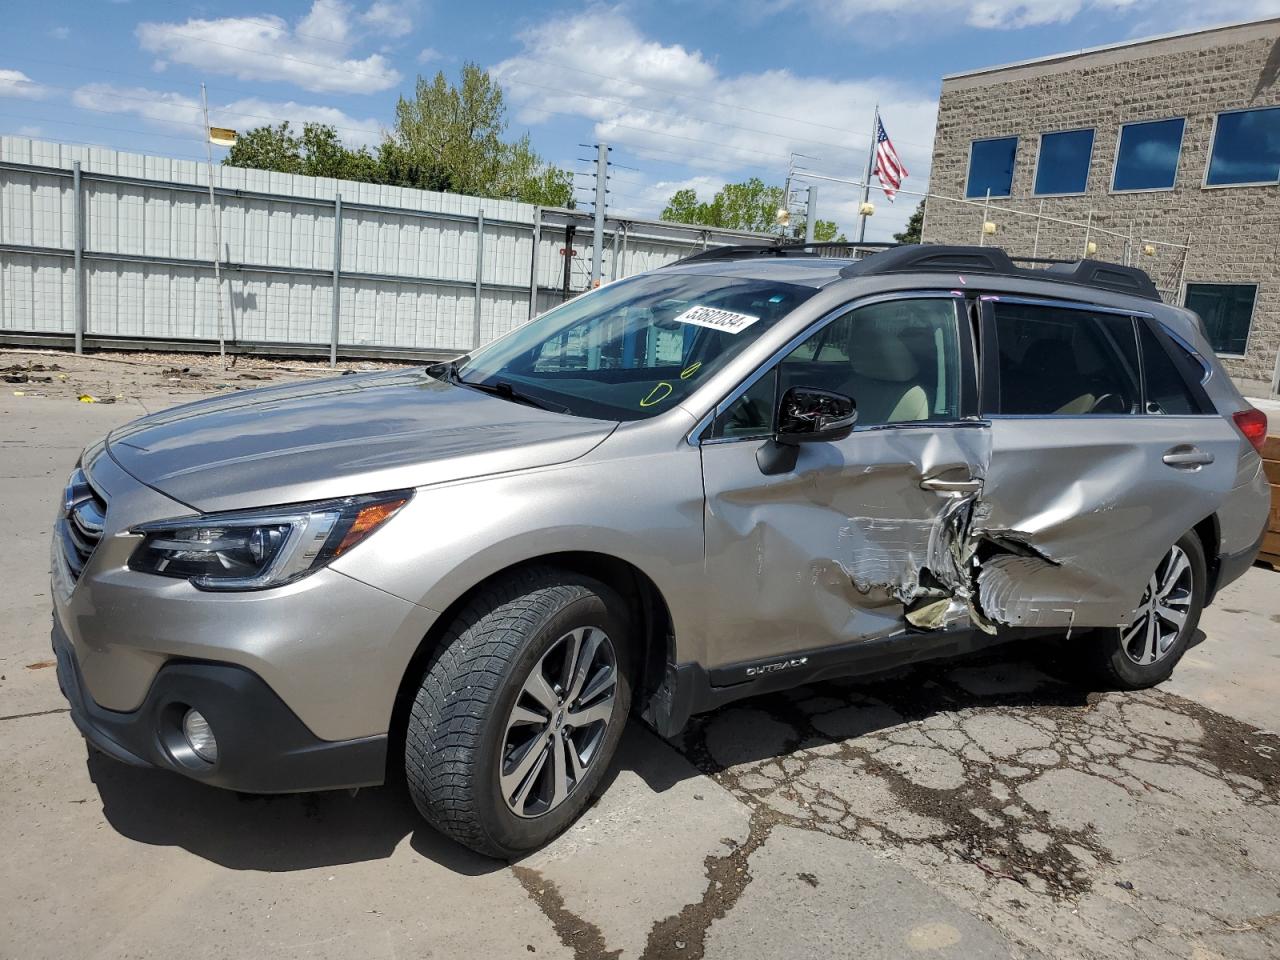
1087,488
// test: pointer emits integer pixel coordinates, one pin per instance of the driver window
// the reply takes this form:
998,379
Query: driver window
898,360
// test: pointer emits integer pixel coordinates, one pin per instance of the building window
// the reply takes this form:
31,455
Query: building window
1227,311
991,167
1147,158
1246,148
1063,165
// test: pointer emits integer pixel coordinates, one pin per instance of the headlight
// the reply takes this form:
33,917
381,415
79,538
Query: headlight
260,548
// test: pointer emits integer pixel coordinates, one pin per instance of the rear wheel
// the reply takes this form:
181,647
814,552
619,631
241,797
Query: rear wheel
1144,652
520,711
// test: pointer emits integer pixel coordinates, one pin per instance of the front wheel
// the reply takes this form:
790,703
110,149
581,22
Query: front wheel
1144,652
520,711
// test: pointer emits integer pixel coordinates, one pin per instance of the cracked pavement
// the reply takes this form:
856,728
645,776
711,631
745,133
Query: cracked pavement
990,807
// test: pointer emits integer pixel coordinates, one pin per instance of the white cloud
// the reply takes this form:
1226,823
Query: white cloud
429,55
389,19
15,83
60,33
670,104
315,54
182,112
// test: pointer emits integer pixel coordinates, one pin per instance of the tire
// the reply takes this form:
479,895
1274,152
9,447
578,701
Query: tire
1139,655
464,739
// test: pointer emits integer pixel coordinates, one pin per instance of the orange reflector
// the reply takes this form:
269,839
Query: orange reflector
368,520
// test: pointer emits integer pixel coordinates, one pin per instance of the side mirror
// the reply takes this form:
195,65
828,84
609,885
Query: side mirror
810,415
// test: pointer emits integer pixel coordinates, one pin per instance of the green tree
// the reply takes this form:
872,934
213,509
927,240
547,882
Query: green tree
736,206
267,148
450,137
683,207
825,231
911,232
751,205
317,152
447,138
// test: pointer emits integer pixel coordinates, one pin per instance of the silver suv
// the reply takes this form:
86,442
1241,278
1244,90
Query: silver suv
743,472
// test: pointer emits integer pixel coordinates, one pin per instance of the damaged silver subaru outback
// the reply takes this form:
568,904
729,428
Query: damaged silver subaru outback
748,470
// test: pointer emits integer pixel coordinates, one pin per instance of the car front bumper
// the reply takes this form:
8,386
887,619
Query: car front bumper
262,745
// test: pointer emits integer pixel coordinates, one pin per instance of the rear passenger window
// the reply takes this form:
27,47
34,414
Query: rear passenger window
1167,390
1064,361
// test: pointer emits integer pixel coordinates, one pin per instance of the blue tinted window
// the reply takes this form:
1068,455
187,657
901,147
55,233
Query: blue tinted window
1227,310
1148,155
1246,147
1063,166
991,167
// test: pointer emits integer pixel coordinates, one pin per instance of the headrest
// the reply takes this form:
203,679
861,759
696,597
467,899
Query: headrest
880,355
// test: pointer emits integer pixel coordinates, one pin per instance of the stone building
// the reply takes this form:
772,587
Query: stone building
1163,152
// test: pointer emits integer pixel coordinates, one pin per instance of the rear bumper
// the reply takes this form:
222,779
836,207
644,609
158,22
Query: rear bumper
262,745
1231,566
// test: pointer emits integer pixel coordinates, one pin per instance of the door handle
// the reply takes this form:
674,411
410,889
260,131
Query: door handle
1184,456
950,486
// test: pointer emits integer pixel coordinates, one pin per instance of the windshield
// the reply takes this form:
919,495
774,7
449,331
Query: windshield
634,348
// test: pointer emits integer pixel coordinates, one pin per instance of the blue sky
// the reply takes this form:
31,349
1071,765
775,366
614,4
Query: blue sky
689,92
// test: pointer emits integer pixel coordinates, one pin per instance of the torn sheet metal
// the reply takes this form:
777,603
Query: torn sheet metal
841,548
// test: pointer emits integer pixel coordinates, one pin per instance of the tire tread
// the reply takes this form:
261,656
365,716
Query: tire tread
460,686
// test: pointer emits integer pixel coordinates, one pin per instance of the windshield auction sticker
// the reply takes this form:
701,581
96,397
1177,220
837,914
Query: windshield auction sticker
717,319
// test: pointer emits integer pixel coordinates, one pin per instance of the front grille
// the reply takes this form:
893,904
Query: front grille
80,523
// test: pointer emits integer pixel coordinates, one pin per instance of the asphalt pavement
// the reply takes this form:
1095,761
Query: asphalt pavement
990,807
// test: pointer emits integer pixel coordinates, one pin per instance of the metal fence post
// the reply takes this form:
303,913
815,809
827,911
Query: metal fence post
810,211
337,273
613,255
475,335
533,262
597,233
77,226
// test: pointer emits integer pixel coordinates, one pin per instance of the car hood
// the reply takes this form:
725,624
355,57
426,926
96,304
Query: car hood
339,437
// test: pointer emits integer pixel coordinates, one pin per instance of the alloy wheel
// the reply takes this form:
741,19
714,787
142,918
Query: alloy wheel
558,722
1163,611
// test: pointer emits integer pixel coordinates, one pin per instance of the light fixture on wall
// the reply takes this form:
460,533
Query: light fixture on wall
1149,249
989,228
1090,248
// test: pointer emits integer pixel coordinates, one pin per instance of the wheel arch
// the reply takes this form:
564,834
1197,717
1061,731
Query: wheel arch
650,614
1209,531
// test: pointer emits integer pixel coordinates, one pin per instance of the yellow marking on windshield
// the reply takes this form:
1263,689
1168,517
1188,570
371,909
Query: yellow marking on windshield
654,397
690,370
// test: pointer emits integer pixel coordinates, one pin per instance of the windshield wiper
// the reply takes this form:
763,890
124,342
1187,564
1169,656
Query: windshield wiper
507,392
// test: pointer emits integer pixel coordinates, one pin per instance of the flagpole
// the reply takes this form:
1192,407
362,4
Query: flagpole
866,176
217,226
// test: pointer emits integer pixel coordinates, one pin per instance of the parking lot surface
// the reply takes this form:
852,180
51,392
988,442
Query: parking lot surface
991,807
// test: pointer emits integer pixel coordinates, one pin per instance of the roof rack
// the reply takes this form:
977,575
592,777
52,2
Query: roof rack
801,249
920,258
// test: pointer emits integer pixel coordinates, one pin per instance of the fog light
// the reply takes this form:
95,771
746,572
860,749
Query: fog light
200,735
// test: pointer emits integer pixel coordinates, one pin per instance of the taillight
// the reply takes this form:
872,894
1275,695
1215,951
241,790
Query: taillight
1253,424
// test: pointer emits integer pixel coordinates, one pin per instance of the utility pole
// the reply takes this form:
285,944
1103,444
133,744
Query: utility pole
810,213
597,240
866,176
217,227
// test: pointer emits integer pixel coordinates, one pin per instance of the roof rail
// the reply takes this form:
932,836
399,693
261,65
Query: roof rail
800,249
920,258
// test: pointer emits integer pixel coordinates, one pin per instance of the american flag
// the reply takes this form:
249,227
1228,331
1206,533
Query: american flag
888,169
